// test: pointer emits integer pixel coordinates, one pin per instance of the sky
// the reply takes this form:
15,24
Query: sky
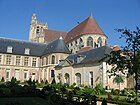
63,15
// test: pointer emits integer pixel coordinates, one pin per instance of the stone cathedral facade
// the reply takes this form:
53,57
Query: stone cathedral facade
69,57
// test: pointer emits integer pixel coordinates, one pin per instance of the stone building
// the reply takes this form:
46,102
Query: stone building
70,57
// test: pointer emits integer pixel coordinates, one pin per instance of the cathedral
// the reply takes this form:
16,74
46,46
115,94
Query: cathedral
68,57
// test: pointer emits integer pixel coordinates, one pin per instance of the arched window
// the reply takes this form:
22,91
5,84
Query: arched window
67,78
78,79
90,41
52,73
46,60
53,59
81,43
99,42
91,78
105,42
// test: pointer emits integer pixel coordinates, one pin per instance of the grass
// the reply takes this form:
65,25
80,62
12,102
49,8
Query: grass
23,101
121,99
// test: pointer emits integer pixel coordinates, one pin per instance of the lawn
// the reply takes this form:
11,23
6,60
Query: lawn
23,101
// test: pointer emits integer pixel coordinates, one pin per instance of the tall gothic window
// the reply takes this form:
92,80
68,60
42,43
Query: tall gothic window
91,78
81,43
90,41
67,78
99,42
78,79
53,59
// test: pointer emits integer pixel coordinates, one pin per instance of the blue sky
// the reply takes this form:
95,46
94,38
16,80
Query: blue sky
15,16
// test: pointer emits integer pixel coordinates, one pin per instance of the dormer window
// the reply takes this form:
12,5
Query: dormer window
9,49
27,51
80,58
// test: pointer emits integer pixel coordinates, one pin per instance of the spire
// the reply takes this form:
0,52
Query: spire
34,16
91,12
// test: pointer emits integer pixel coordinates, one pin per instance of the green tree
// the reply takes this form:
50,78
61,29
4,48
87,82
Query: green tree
118,80
129,57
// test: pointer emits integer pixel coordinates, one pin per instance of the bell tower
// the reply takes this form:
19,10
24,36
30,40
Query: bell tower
36,33
33,25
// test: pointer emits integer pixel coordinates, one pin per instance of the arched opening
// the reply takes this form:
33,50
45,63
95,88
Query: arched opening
67,78
53,59
52,73
78,79
90,41
81,43
105,42
99,42
91,78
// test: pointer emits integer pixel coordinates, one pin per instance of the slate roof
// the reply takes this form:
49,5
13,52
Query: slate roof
36,49
57,46
90,56
51,35
88,26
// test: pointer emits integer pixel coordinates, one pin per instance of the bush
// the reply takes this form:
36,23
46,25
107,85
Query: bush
109,97
2,79
116,92
104,102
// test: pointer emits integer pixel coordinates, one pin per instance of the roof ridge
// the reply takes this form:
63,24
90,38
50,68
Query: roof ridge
21,41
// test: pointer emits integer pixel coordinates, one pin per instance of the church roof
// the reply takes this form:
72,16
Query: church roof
51,35
35,49
88,26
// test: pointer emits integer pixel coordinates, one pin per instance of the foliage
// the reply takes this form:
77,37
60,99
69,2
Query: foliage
129,57
2,79
99,89
104,102
118,79
115,92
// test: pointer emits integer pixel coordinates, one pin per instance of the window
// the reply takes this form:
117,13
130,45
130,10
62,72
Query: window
90,41
17,60
91,78
46,60
7,73
78,79
34,62
67,78
80,58
9,49
8,59
105,42
53,59
37,30
52,73
25,74
99,42
81,43
27,51
17,74
0,59
26,60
